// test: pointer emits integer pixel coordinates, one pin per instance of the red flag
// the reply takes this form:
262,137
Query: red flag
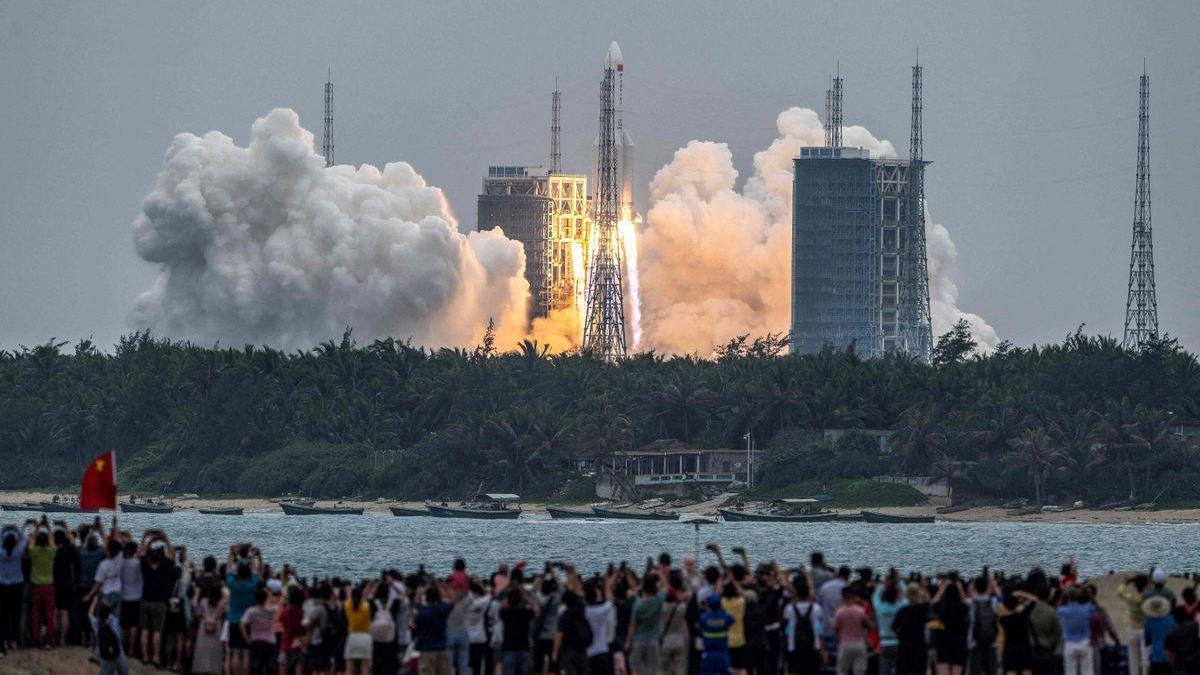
99,490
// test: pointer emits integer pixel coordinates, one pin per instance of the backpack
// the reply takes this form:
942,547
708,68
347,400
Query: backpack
383,626
109,643
335,626
802,635
984,628
577,632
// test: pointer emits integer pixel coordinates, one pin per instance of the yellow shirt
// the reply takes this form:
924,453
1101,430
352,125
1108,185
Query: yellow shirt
737,609
41,569
358,620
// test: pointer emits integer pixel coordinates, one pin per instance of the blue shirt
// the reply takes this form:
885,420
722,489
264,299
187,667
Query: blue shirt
10,563
1074,619
89,560
241,595
714,630
885,614
1156,635
431,627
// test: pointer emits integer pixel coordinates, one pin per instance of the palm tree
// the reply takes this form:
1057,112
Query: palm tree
1034,454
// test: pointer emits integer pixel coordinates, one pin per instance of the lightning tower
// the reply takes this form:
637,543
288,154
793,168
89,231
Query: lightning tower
556,129
915,265
1141,303
327,146
833,112
604,321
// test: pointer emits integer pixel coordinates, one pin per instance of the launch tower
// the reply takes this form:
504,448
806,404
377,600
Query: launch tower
1141,301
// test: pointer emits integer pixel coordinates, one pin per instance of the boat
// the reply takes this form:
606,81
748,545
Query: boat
494,506
782,511
407,512
559,513
222,511
951,509
1023,511
146,506
65,507
302,509
615,514
23,506
877,517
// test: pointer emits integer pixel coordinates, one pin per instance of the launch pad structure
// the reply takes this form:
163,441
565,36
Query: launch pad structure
859,266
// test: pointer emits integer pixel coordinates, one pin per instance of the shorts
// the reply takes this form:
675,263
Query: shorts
644,657
716,663
237,640
358,646
852,658
130,613
741,658
64,598
152,616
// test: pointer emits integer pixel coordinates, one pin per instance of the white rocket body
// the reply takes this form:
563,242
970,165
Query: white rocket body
613,59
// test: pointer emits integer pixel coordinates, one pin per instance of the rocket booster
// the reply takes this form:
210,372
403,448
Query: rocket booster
614,59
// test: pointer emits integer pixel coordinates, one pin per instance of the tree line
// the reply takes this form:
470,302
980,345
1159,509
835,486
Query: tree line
1084,419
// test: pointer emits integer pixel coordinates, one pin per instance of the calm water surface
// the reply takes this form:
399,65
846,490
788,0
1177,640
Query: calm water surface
362,545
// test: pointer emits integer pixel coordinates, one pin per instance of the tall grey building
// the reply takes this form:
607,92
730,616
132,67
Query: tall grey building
859,270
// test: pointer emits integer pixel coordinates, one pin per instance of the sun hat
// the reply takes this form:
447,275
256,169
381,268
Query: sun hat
275,586
1158,576
1156,607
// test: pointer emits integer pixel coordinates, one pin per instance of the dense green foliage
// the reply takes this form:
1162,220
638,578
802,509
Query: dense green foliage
1084,419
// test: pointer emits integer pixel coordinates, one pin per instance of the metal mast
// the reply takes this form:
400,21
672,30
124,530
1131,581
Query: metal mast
833,135
604,323
1141,303
327,147
829,118
555,129
916,263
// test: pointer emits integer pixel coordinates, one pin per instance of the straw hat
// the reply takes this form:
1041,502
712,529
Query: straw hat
1156,607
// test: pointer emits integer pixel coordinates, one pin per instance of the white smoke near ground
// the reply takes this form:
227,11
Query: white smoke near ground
716,262
266,245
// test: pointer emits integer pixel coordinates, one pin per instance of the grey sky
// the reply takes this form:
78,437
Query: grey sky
1030,122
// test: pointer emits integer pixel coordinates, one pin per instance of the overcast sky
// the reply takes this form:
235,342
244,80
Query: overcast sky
1030,119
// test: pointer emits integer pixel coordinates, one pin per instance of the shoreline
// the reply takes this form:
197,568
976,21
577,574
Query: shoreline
977,514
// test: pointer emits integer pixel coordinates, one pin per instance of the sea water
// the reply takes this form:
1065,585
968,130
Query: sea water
360,546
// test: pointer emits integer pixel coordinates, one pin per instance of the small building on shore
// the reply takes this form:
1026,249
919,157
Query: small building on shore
637,474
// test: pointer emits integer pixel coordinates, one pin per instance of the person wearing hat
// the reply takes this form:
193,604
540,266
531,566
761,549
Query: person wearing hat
1158,623
713,626
1159,580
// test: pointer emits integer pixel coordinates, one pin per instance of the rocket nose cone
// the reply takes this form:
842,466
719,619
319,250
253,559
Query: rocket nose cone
613,57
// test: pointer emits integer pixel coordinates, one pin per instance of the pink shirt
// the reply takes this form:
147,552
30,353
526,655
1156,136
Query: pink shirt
260,624
850,622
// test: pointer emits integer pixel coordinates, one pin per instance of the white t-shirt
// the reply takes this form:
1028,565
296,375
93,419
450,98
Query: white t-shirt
108,574
830,597
599,617
131,578
793,613
476,630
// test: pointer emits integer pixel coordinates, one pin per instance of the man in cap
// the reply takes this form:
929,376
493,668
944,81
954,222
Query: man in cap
1159,622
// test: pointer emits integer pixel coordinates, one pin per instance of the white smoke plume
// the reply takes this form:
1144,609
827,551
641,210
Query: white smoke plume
716,262
265,245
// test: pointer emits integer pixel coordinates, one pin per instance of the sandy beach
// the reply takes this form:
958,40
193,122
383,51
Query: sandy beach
972,515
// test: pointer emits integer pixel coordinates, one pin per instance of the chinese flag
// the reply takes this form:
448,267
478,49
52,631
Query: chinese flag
99,490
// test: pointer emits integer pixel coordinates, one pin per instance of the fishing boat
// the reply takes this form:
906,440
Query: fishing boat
23,506
951,509
782,511
222,511
407,512
302,509
877,517
146,506
64,507
559,513
492,506
622,514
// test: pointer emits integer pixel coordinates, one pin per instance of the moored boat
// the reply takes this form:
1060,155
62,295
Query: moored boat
146,506
559,513
407,512
23,506
734,516
877,517
492,506
301,509
622,514
65,507
942,510
222,511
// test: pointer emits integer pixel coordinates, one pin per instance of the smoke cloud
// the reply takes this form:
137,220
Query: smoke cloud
715,262
264,244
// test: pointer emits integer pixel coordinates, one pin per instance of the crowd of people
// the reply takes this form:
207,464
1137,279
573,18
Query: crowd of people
126,597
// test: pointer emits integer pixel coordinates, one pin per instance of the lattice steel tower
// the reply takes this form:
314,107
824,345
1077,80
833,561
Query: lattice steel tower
556,129
327,146
1141,303
604,322
833,112
915,264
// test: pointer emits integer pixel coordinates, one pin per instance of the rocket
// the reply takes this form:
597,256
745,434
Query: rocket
613,59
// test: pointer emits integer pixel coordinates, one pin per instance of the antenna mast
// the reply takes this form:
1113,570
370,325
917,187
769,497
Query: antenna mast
1141,303
834,133
327,147
556,129
916,263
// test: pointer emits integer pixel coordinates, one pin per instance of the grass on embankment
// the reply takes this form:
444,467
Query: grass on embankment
848,493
